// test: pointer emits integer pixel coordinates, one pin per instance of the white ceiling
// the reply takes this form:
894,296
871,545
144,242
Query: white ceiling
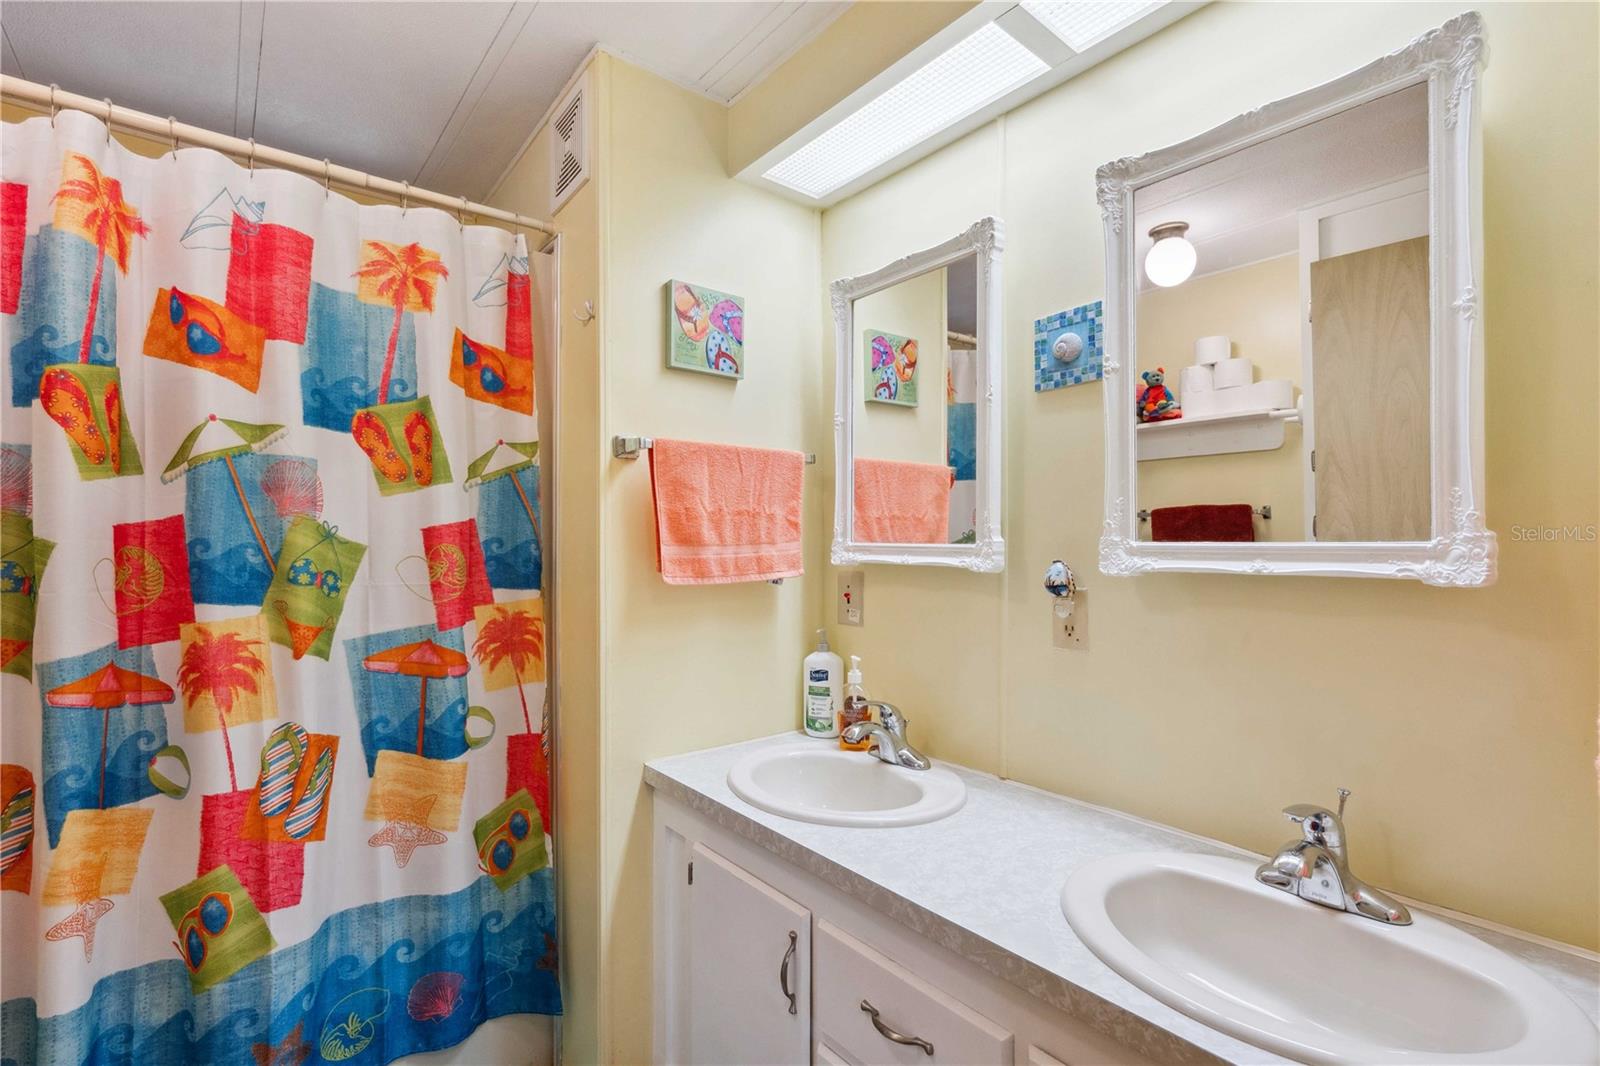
440,94
1243,207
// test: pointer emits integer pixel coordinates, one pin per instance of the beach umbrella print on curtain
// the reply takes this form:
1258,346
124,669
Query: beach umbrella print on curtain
506,478
238,503
105,690
422,660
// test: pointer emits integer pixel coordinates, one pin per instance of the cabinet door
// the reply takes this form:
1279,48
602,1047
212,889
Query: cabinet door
877,1012
749,968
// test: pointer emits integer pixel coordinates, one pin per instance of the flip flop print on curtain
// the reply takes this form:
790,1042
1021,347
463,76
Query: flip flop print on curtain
310,586
506,478
17,808
239,500
84,399
400,437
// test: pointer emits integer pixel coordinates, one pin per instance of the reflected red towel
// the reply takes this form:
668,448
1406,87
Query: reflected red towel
725,514
1203,521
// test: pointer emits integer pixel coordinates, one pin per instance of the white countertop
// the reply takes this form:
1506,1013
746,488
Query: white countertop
986,883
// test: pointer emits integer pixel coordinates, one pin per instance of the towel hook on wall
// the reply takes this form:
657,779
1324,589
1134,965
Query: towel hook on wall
587,315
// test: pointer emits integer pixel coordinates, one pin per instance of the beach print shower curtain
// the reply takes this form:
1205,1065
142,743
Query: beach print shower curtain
274,777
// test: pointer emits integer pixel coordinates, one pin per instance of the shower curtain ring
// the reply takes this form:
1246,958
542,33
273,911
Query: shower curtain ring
327,179
172,131
53,108
252,157
108,119
461,215
405,198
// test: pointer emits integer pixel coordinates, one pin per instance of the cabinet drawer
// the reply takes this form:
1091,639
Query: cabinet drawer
846,973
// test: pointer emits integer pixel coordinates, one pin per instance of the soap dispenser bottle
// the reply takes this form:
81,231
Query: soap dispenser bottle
855,706
819,709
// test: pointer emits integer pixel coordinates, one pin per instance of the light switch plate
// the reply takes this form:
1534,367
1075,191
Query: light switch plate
852,597
1071,632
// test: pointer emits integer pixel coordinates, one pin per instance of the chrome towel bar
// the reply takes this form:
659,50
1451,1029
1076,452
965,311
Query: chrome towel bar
631,447
1265,510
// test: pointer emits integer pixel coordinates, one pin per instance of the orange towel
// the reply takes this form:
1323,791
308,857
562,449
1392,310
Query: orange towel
902,503
725,514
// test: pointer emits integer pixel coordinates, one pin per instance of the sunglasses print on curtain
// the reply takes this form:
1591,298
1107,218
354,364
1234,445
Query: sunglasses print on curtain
193,331
492,375
510,841
219,929
150,581
456,575
310,586
22,561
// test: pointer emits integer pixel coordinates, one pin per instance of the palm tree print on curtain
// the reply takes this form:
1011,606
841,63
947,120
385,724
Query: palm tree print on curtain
510,648
86,400
401,438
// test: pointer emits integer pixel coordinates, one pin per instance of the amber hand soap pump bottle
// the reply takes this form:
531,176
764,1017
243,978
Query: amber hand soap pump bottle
855,706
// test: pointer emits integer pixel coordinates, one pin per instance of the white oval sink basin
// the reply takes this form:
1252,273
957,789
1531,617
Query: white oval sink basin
814,781
1200,934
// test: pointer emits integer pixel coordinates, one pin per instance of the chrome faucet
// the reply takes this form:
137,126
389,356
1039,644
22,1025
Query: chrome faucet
1316,867
887,737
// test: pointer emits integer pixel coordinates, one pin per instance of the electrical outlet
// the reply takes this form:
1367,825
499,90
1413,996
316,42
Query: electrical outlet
852,597
1073,631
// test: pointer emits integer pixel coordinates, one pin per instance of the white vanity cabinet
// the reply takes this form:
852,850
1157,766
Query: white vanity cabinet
724,972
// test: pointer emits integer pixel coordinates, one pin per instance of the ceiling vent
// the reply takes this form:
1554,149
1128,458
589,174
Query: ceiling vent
569,145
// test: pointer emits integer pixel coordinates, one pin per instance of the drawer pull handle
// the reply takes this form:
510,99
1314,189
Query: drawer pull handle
783,970
889,1034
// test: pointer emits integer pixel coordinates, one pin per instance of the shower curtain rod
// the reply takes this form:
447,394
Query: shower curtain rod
19,90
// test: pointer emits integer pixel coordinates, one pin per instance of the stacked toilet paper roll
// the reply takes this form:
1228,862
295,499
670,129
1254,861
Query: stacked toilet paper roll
1232,373
1193,380
1209,350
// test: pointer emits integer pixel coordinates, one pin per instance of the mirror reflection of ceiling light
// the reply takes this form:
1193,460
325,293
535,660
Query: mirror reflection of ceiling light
1171,259
973,73
1083,25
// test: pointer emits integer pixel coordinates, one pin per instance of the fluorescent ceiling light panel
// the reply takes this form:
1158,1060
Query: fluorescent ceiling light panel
970,75
1082,25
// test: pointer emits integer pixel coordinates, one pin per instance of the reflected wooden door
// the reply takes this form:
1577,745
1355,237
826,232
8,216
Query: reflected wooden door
1369,336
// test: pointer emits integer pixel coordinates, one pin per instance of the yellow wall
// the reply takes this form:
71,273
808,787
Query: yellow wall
1256,306
574,451
914,308
1463,720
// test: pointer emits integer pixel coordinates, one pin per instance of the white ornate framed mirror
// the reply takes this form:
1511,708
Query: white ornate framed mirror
1294,352
918,408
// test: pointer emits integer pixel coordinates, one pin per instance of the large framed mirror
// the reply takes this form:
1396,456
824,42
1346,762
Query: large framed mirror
918,408
1294,358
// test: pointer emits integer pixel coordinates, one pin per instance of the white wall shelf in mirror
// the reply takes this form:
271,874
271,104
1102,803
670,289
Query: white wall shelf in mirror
1304,217
918,409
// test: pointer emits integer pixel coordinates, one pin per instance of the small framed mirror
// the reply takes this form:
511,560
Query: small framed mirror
918,407
1294,359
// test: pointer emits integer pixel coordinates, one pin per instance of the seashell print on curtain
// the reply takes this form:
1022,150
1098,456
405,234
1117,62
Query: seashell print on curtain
272,638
